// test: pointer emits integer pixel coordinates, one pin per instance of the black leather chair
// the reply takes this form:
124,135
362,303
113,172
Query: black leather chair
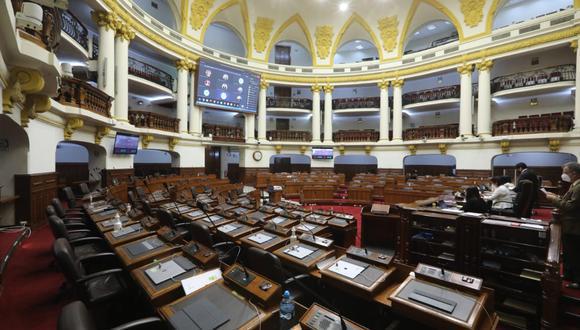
75,316
135,202
194,192
66,213
202,234
84,188
84,242
91,282
70,198
70,222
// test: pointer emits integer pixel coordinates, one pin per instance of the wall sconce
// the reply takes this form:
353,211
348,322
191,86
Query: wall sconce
368,150
302,149
533,101
341,150
278,148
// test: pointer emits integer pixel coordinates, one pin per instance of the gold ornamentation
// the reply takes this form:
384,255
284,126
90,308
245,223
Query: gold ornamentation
124,31
303,149
328,88
384,84
442,148
472,11
262,31
398,83
505,146
33,105
484,65
316,88
368,150
72,124
323,37
145,140
193,66
106,19
172,143
199,11
389,27
412,149
465,69
22,86
554,145
574,45
184,64
278,148
101,132
263,83
341,150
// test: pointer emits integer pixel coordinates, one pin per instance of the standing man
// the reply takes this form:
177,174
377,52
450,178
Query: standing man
569,206
524,173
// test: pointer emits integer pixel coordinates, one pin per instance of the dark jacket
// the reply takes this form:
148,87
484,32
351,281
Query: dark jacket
476,205
569,206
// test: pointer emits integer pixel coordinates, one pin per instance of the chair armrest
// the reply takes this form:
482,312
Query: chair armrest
79,231
80,241
138,323
70,226
223,244
96,256
99,274
294,278
73,218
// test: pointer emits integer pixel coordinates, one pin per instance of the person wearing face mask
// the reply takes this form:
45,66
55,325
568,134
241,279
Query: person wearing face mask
569,207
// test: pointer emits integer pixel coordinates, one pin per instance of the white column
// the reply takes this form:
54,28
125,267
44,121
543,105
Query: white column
194,111
262,111
328,113
106,60
398,109
384,112
315,113
465,101
577,99
484,98
124,36
183,67
250,126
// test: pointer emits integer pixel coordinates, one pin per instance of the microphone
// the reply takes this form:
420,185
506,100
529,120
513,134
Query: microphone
165,185
200,205
305,225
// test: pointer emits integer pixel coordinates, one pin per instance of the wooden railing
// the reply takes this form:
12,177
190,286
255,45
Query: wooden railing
551,280
356,103
224,133
153,120
78,93
288,103
435,94
547,75
545,123
95,54
450,131
51,25
356,136
151,73
299,136
74,28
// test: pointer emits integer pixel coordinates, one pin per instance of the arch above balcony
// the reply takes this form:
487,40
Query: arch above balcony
295,30
355,28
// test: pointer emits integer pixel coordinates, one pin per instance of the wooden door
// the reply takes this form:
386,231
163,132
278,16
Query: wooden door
212,160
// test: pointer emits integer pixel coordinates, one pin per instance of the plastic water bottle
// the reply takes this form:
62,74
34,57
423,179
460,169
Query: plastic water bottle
117,225
90,200
293,236
286,306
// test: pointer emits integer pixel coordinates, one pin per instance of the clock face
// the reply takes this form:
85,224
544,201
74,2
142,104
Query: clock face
257,156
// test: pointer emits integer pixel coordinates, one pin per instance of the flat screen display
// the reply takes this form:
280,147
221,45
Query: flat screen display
126,144
321,153
223,87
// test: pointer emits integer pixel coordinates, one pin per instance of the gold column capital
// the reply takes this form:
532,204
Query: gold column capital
124,31
484,65
574,45
384,84
145,140
105,19
101,132
398,83
183,64
173,141
316,88
72,125
264,84
465,69
328,88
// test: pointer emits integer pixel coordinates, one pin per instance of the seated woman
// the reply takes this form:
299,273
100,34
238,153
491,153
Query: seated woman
474,202
501,197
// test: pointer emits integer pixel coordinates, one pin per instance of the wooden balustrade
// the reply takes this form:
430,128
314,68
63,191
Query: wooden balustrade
435,94
151,73
288,103
153,120
78,93
49,36
545,123
356,103
224,133
553,74
298,136
72,26
450,131
356,136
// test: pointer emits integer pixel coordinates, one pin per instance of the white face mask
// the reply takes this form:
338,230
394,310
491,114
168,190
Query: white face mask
566,177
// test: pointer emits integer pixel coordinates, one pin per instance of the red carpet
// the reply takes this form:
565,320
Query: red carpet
31,285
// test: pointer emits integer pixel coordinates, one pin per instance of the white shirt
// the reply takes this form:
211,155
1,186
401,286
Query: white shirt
502,197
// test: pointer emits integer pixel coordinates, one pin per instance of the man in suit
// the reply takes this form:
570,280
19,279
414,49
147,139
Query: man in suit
524,173
569,206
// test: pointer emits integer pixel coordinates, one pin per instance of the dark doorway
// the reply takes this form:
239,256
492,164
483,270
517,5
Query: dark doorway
282,164
282,124
282,55
212,160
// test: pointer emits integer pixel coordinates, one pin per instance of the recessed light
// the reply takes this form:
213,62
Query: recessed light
358,41
359,47
417,33
431,27
447,22
343,6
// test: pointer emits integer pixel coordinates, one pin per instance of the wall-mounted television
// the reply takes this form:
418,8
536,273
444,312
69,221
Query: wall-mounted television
322,153
126,144
223,87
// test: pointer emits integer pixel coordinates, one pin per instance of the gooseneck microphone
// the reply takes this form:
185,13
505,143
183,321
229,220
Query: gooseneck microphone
202,206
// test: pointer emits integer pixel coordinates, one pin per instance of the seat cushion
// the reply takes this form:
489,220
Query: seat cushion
73,236
104,287
88,249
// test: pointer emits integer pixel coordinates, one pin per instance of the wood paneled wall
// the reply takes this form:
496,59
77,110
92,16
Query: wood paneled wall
120,174
350,170
70,173
248,174
433,170
473,173
142,170
35,191
191,171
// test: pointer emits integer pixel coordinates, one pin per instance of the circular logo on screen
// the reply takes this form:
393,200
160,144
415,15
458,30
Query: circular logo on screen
241,81
226,76
240,89
223,95
206,92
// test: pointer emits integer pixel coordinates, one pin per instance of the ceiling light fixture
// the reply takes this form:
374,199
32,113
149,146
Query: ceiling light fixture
343,6
431,27
417,33
358,41
359,47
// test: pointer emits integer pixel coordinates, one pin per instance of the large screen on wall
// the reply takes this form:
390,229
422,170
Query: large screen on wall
126,144
321,153
223,87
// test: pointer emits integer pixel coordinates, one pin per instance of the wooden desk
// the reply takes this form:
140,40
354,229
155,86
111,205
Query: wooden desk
116,241
305,264
242,230
343,231
217,220
108,225
314,229
132,261
318,219
260,216
105,215
8,199
283,221
316,313
252,287
193,215
269,245
165,292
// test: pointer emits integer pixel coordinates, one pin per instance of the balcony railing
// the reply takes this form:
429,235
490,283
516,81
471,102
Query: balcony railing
368,135
548,75
74,28
153,120
288,103
49,35
356,103
435,94
442,41
151,73
78,93
297,136
95,54
224,133
545,123
450,131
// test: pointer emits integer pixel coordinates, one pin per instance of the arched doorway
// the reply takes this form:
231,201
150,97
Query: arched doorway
78,162
288,163
431,164
351,165
155,162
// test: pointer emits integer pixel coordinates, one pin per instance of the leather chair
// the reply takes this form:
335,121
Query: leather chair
70,198
202,234
66,213
84,188
93,287
69,222
75,316
135,202
83,241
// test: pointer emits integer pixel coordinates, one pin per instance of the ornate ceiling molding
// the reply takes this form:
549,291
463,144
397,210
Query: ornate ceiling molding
323,37
389,27
199,11
262,30
472,11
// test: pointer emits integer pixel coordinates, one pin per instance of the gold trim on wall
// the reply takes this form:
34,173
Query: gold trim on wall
352,19
296,18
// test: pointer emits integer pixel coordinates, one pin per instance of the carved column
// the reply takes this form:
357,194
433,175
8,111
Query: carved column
262,111
328,113
194,111
465,101
250,127
183,67
574,45
107,23
384,111
124,36
316,113
484,103
398,109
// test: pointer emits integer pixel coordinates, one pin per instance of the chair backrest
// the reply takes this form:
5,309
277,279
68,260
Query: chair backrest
70,197
201,233
147,208
165,218
524,199
50,211
194,192
264,263
57,227
133,199
75,316
84,188
67,260
58,207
